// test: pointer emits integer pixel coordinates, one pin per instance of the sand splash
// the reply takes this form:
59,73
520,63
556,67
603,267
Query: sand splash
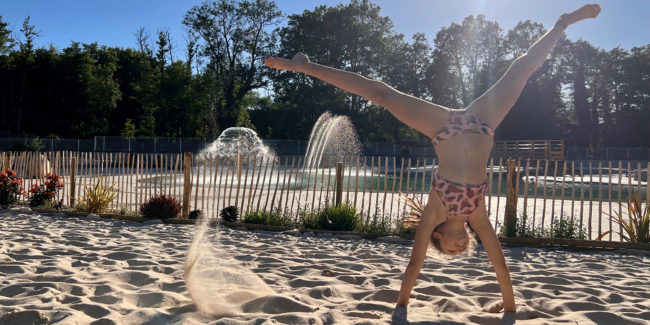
221,285
218,284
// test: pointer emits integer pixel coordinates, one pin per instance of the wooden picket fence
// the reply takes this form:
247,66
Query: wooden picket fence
372,184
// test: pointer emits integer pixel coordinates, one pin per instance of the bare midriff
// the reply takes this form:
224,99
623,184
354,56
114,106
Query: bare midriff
464,157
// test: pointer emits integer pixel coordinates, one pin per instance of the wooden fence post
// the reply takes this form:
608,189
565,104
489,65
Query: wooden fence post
510,219
339,183
7,162
187,185
73,176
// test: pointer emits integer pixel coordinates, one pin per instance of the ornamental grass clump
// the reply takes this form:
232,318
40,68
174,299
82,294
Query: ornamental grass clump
161,207
411,219
11,187
40,195
637,227
97,198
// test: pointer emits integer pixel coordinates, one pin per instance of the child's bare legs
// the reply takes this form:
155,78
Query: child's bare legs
495,104
587,11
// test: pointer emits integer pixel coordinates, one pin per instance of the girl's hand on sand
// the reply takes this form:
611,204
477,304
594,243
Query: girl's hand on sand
299,60
587,11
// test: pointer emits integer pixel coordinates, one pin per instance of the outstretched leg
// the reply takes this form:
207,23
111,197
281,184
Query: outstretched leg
495,104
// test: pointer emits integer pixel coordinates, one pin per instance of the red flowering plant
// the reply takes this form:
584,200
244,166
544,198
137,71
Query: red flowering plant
40,194
11,186
161,207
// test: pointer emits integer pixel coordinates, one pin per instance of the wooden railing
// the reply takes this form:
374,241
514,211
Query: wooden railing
545,191
532,149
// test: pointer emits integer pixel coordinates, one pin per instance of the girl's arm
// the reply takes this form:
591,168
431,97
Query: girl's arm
483,228
348,81
419,114
428,222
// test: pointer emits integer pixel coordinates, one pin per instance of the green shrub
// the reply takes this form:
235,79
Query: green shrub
564,228
269,218
195,214
52,205
568,228
338,218
123,210
522,229
376,225
344,218
33,144
308,218
161,207
229,214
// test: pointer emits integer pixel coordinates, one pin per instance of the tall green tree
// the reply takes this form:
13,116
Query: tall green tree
6,65
582,62
353,37
474,51
6,41
24,62
236,37
586,95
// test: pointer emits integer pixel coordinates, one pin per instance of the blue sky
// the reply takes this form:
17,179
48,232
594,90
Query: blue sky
112,23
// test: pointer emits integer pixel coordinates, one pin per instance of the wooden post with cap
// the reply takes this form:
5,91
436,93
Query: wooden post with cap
510,219
339,183
73,176
187,184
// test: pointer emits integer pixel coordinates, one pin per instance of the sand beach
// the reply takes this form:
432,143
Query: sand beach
63,270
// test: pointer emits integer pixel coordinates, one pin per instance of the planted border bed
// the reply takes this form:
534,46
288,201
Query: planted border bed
509,242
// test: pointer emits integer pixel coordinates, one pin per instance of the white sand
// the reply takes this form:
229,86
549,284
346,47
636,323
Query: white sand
57,270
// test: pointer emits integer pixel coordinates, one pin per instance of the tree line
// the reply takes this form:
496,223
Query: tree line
215,78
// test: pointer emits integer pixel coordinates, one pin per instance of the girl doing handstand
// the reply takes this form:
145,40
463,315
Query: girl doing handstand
463,141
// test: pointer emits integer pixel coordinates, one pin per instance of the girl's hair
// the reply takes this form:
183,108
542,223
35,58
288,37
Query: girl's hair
435,243
412,220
